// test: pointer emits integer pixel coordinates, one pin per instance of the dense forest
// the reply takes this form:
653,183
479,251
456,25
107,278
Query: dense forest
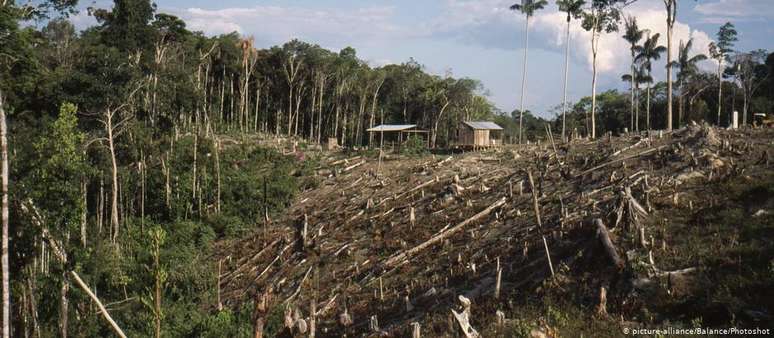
128,147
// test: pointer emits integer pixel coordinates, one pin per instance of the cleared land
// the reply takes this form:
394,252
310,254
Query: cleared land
641,231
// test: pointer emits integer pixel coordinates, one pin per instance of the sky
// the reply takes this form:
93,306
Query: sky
480,39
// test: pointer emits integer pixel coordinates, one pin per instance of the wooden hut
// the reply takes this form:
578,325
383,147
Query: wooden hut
479,134
396,134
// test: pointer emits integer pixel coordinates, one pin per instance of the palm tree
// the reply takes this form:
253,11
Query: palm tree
528,8
633,35
646,54
640,76
686,66
573,8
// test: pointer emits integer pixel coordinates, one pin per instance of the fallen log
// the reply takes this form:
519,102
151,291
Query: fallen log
353,166
399,257
604,237
620,160
102,309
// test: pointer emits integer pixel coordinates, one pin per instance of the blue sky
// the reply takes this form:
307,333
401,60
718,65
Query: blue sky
480,39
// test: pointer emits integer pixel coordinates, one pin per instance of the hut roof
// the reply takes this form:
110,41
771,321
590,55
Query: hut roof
393,127
483,125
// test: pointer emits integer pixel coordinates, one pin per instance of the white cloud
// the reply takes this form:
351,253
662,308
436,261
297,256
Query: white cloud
277,24
491,24
721,11
82,20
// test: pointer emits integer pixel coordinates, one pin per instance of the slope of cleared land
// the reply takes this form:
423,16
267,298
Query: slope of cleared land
673,229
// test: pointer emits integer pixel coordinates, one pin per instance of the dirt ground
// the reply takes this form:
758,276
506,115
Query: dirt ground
381,244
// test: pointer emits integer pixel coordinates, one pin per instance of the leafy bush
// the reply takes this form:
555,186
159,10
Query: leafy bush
414,146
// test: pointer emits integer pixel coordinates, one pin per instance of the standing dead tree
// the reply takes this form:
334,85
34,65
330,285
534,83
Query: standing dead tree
5,266
114,125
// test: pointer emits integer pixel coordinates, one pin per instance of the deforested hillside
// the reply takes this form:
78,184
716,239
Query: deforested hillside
587,237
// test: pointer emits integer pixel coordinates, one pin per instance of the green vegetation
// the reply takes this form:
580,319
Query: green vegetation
135,145
414,146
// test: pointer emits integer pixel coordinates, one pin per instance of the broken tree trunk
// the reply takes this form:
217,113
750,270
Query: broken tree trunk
534,199
399,257
604,237
464,318
102,309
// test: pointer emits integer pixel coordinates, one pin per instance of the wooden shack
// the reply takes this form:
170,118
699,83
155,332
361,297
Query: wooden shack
396,134
479,134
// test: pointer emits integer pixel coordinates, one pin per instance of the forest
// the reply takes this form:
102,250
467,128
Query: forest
134,148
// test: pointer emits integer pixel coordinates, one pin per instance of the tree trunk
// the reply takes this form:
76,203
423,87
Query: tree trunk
5,266
193,176
744,107
523,81
637,107
373,109
594,41
102,309
681,104
670,4
434,137
84,211
631,89
63,309
566,77
114,166
647,106
217,174
720,89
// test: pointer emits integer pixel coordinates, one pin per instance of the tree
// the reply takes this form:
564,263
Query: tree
671,8
602,17
752,72
633,36
719,51
127,25
10,46
574,9
687,67
638,77
5,267
646,54
528,8
56,203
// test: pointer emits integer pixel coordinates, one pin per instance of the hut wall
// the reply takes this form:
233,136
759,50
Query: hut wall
466,136
481,137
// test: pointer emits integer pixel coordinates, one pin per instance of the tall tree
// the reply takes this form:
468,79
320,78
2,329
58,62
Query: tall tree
574,9
687,67
647,53
638,77
720,51
11,45
5,267
633,36
127,25
752,72
602,17
671,8
528,8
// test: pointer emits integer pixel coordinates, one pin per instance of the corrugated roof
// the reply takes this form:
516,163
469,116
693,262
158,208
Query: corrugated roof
393,127
487,125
